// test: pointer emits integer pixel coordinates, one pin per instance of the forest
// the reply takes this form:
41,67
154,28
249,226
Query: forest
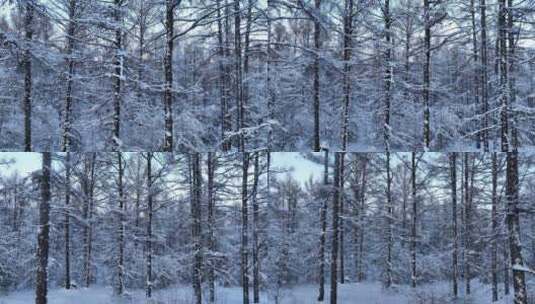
116,227
282,75
267,151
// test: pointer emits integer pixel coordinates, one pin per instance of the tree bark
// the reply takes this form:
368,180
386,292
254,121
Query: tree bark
168,74
316,75
387,76
388,217
323,223
335,235
256,245
88,184
269,82
119,287
341,224
244,229
494,219
414,219
455,252
503,98
148,290
475,57
118,62
196,227
511,78
211,226
246,56
513,225
484,76
41,279
506,267
67,221
240,107
27,68
223,82
467,225
67,115
347,53
427,74
360,268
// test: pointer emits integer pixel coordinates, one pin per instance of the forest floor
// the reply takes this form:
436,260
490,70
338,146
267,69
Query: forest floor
365,293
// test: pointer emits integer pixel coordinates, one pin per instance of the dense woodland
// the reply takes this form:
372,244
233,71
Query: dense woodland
215,220
282,75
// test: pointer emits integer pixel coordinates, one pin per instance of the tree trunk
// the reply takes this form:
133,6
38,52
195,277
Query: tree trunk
142,20
246,56
360,268
269,85
256,245
67,115
41,279
414,219
335,236
119,287
244,229
467,225
316,75
148,290
387,77
67,221
455,252
223,82
196,226
494,219
427,74
139,184
323,223
475,58
118,62
389,207
211,226
484,77
27,68
356,187
503,98
511,78
88,189
348,45
341,224
240,107
506,270
168,74
389,214
513,225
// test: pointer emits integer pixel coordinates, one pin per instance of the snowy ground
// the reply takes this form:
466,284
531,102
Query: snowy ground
365,293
